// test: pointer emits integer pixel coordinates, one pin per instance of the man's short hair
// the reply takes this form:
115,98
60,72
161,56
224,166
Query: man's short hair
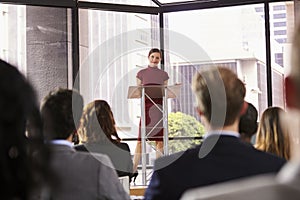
219,92
61,111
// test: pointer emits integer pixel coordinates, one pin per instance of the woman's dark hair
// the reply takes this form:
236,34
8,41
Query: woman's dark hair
97,123
23,158
154,50
248,122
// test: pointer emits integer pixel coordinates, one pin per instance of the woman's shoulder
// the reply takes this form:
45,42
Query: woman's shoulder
123,146
141,72
162,71
144,69
80,147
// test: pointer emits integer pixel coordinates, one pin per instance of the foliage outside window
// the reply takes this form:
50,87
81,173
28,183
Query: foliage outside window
183,125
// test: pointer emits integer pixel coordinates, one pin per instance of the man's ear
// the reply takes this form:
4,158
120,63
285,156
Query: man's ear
244,108
291,93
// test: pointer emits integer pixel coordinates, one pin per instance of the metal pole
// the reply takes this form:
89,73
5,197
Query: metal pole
75,48
268,55
143,137
165,118
161,38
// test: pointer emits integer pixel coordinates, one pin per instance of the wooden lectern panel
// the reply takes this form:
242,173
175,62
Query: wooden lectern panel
154,91
134,92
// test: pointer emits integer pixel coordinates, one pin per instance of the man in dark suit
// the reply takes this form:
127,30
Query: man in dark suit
80,175
284,185
222,156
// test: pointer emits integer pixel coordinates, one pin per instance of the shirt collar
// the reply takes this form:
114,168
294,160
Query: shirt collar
222,132
61,142
156,67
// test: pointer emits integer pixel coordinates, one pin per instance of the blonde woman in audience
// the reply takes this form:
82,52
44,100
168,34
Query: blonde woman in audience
271,136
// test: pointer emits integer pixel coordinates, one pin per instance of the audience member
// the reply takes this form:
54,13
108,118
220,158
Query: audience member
24,159
271,136
222,156
248,124
98,134
285,185
81,175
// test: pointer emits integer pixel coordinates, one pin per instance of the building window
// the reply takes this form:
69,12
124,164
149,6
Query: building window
279,59
279,16
259,9
280,32
279,7
279,24
281,40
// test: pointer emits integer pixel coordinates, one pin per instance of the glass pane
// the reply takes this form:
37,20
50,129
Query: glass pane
237,42
126,2
38,41
281,32
113,48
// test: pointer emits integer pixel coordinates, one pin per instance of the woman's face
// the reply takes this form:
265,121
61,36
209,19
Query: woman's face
154,59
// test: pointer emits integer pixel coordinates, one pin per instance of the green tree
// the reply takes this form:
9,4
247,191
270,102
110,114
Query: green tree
183,125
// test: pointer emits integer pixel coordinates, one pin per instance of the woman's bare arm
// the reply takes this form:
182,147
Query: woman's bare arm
138,82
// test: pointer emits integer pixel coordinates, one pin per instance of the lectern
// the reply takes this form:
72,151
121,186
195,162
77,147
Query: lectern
153,92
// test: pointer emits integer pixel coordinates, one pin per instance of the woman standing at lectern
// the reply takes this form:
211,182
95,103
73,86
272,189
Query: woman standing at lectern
151,75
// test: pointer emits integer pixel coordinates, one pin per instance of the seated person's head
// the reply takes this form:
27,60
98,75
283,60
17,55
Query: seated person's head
61,111
97,123
271,136
23,158
220,96
248,123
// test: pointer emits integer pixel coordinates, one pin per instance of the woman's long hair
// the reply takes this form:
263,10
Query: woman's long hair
97,123
271,137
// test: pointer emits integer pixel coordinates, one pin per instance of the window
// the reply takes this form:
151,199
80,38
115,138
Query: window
279,24
280,32
281,40
112,45
38,41
241,32
280,54
279,16
279,58
259,9
279,7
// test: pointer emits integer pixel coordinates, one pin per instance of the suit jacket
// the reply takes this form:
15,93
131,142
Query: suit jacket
119,154
217,159
82,175
285,185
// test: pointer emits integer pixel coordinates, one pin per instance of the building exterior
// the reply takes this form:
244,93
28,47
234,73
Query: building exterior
281,27
240,39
